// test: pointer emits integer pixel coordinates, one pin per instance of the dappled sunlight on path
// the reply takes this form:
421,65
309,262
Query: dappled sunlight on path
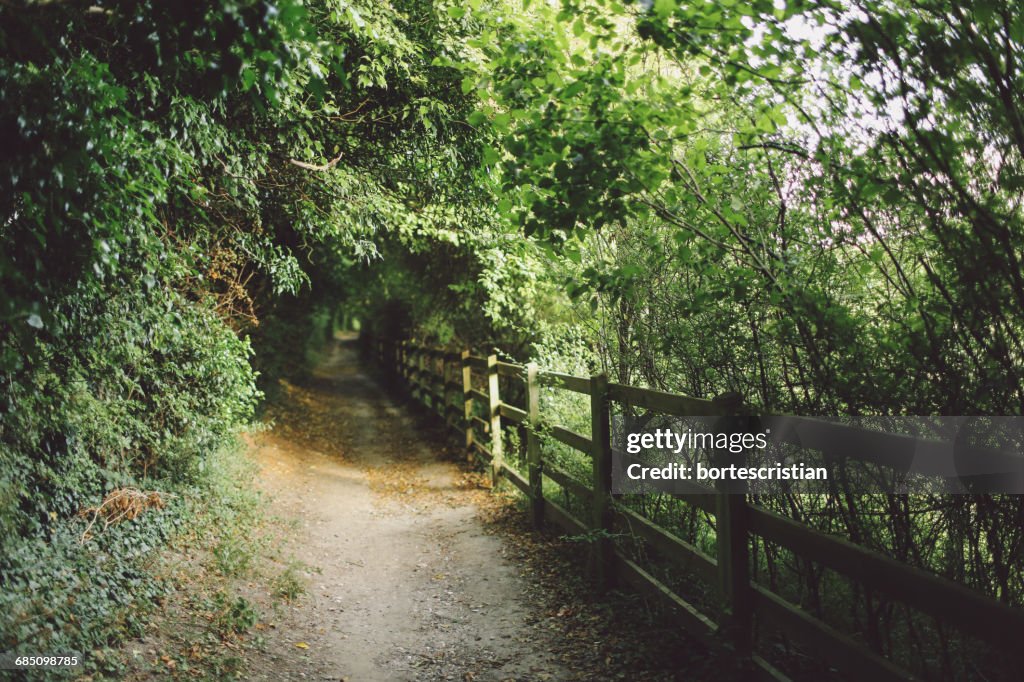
407,583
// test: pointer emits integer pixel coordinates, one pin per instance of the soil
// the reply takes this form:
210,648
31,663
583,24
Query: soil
409,581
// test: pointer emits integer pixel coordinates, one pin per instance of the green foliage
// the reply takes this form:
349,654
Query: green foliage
66,593
829,193
63,593
289,339
288,584
174,176
62,596
232,556
140,384
233,615
814,204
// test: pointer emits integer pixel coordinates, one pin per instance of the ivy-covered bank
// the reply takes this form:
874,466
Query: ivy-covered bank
174,175
140,393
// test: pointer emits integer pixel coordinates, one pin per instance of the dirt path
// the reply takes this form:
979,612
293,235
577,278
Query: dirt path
407,585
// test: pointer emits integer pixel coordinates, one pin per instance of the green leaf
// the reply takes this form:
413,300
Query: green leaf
501,122
663,8
490,156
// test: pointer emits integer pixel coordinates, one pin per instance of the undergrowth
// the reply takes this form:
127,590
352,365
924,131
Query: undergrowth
65,595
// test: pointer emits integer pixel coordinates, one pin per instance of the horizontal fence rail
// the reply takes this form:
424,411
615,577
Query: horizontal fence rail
438,379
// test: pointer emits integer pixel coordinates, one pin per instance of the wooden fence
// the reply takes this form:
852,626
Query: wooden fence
446,382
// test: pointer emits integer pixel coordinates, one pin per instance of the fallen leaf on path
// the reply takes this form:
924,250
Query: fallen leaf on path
302,645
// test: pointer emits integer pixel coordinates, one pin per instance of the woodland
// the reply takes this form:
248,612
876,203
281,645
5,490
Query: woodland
816,204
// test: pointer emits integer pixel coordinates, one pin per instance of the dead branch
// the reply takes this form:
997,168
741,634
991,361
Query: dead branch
309,166
123,504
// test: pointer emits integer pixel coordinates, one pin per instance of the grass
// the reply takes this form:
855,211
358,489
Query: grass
288,585
227,581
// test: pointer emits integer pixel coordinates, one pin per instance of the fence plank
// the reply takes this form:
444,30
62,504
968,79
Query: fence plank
668,403
824,640
936,596
562,518
572,439
565,381
893,450
516,478
692,619
700,500
508,369
512,413
567,481
676,550
483,451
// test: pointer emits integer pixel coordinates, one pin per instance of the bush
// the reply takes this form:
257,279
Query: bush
141,386
141,389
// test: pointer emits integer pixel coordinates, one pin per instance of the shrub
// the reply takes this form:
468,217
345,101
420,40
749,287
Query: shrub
142,389
139,386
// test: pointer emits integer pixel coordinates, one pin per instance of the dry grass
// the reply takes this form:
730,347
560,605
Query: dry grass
122,504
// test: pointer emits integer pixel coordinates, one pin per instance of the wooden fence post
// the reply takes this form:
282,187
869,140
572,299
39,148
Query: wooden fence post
602,554
467,402
535,466
732,542
495,415
733,568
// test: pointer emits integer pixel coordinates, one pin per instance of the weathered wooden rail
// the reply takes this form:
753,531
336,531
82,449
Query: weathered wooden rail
444,382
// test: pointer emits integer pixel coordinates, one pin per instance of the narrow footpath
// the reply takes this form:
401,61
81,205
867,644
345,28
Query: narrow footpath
404,582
